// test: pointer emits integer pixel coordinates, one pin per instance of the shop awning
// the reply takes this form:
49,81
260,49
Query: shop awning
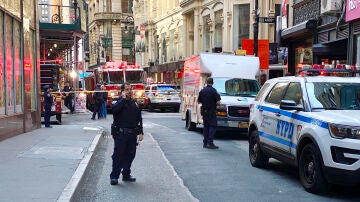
300,30
337,47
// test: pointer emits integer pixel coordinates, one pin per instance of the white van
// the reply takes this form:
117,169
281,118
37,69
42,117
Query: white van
234,79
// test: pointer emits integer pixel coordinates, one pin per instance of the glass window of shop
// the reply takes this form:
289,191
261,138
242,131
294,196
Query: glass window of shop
2,66
206,28
357,48
303,54
11,88
241,24
13,70
218,28
30,68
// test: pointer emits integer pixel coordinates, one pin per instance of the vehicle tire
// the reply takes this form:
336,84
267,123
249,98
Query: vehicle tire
58,118
191,126
310,170
177,109
257,157
150,107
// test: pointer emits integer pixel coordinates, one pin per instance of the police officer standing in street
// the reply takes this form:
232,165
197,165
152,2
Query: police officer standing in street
126,131
209,98
48,101
98,101
68,96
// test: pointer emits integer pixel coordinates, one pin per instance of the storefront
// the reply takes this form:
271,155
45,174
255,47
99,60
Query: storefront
352,16
299,40
168,72
19,97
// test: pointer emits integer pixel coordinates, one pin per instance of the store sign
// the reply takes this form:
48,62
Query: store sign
352,10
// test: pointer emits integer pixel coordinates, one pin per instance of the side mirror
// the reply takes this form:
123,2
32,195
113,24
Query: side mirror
290,105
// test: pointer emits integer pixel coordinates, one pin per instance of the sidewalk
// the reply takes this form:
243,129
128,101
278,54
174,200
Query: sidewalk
46,164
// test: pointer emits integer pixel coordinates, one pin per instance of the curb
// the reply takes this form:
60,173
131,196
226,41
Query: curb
75,180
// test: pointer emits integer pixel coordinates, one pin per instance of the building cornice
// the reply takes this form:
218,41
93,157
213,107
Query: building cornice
185,3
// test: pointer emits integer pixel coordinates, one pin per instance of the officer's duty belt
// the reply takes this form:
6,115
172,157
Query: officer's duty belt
129,130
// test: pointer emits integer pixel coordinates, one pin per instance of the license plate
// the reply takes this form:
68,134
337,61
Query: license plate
243,125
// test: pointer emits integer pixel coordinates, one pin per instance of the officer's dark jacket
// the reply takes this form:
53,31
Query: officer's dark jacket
68,89
98,96
208,96
48,100
127,114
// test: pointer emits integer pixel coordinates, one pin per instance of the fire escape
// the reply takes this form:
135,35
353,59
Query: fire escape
62,25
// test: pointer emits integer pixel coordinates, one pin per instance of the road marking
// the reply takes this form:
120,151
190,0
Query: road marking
173,169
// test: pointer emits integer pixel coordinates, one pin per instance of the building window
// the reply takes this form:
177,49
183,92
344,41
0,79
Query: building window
125,6
218,37
172,50
107,5
241,24
9,66
18,70
206,38
164,56
2,66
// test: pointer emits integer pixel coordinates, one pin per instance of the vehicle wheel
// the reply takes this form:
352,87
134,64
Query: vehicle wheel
190,125
310,170
150,108
58,117
176,109
257,157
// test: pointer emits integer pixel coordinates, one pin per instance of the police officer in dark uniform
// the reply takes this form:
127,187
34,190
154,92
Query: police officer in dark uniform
209,98
126,131
68,101
98,101
48,101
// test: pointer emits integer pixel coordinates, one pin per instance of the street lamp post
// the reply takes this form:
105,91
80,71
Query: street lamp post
256,28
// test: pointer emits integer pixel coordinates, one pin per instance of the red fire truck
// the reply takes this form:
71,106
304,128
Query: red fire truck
113,74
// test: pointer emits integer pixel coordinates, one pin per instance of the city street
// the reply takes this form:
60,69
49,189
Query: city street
171,165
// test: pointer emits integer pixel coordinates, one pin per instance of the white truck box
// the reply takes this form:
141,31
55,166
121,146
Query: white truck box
234,79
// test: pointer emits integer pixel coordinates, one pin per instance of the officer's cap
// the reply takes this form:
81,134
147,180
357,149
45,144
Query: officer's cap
46,87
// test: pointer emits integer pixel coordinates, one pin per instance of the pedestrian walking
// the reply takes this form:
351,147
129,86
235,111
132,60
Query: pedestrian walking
104,105
209,98
69,96
48,101
98,101
126,131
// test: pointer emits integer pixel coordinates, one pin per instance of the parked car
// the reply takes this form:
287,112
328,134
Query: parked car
312,123
162,96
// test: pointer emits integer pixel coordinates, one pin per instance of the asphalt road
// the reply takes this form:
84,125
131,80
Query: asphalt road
171,165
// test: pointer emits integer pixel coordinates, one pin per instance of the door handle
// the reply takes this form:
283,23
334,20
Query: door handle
261,110
277,114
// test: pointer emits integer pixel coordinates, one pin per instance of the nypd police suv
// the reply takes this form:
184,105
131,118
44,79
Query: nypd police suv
312,123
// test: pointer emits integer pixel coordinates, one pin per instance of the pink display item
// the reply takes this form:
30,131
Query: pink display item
352,10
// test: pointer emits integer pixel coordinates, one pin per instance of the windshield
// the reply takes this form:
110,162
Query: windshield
236,87
133,76
113,77
334,96
116,77
168,89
